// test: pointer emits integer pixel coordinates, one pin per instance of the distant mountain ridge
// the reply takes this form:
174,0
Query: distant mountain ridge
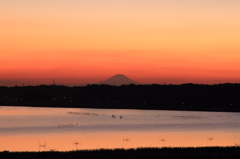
118,79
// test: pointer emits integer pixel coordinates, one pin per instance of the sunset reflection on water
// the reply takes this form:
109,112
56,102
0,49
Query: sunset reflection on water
112,140
105,132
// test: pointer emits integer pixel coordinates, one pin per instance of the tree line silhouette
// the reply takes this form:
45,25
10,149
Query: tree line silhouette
219,97
140,153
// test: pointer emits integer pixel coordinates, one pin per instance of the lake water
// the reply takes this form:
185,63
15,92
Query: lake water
64,129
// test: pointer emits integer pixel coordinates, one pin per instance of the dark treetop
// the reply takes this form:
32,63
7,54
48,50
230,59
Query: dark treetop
220,97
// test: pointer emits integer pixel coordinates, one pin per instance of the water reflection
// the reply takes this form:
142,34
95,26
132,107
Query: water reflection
73,141
48,129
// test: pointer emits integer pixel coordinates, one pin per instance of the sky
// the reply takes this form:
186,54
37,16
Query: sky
150,41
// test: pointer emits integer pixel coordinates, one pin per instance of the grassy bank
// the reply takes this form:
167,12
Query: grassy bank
141,153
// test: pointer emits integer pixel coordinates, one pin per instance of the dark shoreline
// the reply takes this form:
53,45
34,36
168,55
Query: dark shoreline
140,153
184,97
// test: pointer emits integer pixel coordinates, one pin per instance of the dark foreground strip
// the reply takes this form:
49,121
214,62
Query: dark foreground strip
141,153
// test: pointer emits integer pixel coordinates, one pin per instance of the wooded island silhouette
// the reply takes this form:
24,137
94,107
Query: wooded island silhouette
118,80
188,96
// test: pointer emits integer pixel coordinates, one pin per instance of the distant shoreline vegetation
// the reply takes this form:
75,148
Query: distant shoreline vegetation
191,97
140,153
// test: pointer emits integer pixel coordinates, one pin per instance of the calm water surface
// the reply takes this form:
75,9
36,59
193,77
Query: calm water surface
64,129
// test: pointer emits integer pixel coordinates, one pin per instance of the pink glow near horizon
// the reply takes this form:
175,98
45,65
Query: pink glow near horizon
78,42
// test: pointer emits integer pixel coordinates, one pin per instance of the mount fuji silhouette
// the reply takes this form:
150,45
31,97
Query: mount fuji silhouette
118,80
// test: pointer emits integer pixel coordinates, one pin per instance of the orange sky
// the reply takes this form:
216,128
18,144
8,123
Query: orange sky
154,41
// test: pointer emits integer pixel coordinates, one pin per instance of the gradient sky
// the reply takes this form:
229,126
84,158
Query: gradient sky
150,41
